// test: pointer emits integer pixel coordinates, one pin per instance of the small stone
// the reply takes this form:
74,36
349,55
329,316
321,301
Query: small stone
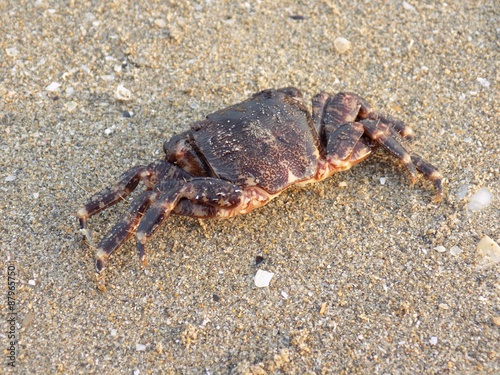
322,309
159,347
496,320
440,249
342,45
455,251
113,332
433,340
109,130
53,87
263,278
480,200
488,253
31,282
140,347
10,178
444,306
284,294
382,180
122,93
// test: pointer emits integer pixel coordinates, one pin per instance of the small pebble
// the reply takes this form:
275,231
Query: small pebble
284,294
140,347
440,249
113,332
496,320
263,278
258,260
10,178
109,130
382,180
480,200
433,340
455,251
54,86
122,93
342,45
31,282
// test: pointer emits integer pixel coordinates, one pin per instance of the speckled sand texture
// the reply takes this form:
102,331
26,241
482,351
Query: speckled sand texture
369,277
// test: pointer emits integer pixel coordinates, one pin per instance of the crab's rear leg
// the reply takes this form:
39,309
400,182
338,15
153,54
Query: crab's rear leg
381,133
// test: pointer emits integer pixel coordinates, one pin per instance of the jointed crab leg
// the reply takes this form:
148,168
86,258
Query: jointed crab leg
431,173
109,196
122,230
380,133
207,191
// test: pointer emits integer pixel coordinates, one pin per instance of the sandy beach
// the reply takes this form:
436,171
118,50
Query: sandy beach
369,275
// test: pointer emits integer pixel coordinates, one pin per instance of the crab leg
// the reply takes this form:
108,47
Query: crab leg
431,173
207,191
381,133
109,196
122,230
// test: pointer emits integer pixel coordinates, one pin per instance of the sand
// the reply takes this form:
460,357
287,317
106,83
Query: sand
358,284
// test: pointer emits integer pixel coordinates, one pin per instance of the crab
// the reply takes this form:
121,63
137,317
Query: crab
241,157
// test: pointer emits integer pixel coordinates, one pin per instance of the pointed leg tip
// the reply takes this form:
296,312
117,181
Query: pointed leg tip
100,281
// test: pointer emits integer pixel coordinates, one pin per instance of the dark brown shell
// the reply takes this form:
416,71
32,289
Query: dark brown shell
266,141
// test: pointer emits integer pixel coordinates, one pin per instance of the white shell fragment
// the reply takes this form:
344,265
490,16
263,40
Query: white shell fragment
54,86
263,278
483,81
455,251
160,22
70,106
122,93
12,51
433,340
409,7
480,200
488,253
140,347
342,45
440,249
462,191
